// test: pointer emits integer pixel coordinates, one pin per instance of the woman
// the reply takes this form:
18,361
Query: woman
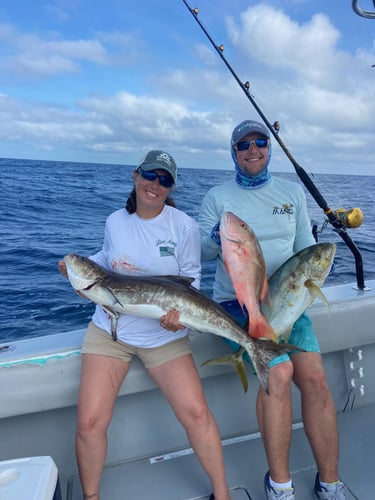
149,237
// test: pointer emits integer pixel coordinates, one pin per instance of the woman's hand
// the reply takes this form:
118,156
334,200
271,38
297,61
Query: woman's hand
170,321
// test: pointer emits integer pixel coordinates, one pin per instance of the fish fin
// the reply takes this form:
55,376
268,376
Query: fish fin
263,352
114,320
267,300
262,329
247,324
284,337
316,293
243,308
236,361
265,293
260,359
115,299
184,280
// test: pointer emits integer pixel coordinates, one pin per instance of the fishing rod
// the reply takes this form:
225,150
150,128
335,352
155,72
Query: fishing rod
337,222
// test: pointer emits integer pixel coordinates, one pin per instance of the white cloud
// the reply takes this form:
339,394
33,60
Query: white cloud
273,39
45,55
323,96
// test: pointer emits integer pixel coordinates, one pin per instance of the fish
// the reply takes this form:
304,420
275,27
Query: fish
244,262
296,284
293,287
154,296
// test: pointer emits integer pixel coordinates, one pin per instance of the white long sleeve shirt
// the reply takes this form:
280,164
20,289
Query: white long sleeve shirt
168,244
276,212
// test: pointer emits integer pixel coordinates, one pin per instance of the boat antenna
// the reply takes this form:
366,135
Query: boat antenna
361,12
337,223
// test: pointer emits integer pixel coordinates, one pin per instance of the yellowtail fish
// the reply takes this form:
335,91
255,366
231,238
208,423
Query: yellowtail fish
295,286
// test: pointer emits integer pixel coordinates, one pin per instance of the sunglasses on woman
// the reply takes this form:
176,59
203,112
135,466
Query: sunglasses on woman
164,180
245,145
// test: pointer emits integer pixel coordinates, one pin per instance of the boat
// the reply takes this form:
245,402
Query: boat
149,456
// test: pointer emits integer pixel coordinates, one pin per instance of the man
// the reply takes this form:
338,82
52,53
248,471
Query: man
276,211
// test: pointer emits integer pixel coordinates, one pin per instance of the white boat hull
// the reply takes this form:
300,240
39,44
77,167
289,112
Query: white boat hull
39,380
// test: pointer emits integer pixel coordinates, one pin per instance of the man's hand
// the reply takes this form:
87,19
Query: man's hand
215,233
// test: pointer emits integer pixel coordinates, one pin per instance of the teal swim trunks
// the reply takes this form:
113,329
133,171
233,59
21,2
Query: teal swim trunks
302,334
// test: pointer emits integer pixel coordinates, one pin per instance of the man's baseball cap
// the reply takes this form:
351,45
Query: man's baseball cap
248,127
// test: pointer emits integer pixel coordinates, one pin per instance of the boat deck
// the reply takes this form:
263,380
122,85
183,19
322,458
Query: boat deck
178,476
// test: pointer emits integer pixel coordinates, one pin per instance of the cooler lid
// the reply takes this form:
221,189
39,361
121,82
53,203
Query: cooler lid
33,478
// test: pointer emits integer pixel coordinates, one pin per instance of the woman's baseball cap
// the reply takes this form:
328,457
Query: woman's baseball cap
156,159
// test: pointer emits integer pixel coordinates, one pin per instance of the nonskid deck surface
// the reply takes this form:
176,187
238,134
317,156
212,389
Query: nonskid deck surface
179,476
237,493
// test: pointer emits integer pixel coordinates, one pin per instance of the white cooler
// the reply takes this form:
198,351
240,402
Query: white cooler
32,478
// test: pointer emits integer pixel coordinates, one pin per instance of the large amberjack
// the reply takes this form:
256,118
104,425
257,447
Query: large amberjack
154,296
244,262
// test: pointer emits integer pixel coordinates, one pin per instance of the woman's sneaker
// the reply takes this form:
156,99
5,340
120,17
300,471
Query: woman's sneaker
335,491
276,493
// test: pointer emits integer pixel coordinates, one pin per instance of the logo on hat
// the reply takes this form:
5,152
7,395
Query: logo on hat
164,157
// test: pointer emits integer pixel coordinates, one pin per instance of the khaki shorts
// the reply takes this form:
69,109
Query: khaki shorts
98,341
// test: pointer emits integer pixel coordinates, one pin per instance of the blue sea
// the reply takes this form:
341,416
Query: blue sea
49,209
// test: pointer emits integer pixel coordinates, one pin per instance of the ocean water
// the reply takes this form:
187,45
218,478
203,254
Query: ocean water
50,209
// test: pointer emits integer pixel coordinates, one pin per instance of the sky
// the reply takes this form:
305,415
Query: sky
105,82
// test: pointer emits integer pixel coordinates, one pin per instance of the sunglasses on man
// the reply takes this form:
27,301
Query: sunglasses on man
245,145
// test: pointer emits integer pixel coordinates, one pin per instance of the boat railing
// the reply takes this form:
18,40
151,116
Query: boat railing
362,12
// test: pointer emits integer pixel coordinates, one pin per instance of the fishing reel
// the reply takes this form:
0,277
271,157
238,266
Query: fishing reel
351,218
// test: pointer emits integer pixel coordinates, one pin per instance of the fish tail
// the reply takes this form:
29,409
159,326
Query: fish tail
261,359
262,329
262,352
236,361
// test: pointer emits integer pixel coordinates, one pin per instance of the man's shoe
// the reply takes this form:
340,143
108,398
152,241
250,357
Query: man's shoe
335,491
276,493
